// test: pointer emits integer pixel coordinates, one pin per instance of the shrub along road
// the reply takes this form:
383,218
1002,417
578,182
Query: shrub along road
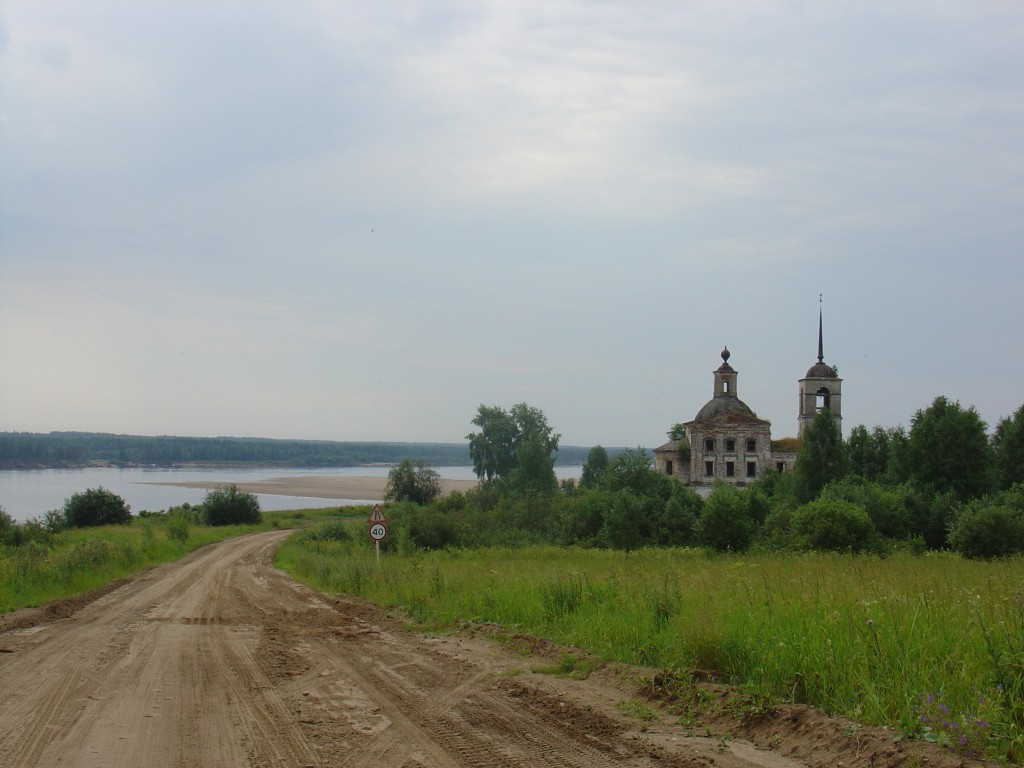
221,660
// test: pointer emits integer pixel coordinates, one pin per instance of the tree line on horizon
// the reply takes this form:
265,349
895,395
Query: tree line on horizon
33,450
75,449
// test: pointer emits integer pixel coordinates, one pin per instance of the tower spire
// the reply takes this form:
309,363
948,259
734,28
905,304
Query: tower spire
821,353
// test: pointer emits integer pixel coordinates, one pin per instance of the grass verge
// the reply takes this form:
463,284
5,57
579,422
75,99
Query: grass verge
932,646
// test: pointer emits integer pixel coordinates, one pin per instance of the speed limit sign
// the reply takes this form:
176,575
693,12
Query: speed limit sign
378,531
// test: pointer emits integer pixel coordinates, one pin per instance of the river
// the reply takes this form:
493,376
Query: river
28,493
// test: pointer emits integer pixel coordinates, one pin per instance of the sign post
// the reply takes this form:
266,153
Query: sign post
378,528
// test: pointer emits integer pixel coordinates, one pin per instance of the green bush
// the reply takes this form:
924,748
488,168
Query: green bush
54,521
624,522
990,527
675,522
178,527
885,507
579,517
777,532
725,524
933,513
8,528
96,506
14,534
333,530
430,530
229,506
33,532
833,525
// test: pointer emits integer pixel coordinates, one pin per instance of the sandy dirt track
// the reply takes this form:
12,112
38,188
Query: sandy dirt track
219,660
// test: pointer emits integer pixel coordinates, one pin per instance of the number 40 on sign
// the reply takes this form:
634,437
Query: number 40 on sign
378,527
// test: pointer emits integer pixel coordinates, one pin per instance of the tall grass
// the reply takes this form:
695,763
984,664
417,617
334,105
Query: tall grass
929,645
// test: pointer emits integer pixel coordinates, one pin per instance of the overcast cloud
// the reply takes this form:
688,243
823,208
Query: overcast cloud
356,221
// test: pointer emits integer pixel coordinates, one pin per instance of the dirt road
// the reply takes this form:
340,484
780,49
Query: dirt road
219,661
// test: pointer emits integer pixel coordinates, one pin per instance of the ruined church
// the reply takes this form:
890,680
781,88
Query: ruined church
727,441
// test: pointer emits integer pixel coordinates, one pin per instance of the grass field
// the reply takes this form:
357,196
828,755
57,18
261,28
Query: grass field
932,646
82,559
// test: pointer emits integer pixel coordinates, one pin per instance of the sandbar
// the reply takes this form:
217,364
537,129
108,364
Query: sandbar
352,487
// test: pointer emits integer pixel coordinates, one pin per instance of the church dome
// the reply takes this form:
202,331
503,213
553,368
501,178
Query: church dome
716,406
821,370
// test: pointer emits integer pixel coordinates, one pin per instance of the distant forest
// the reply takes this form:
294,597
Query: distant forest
28,450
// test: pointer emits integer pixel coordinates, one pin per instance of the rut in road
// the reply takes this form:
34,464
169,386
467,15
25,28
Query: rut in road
220,660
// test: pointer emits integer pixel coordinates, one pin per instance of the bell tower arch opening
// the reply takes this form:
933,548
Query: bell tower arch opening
823,399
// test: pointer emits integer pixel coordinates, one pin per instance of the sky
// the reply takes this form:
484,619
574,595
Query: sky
361,221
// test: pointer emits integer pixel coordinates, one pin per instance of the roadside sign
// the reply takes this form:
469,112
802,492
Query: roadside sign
378,531
377,515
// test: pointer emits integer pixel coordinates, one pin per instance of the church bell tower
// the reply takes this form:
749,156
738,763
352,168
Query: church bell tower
821,388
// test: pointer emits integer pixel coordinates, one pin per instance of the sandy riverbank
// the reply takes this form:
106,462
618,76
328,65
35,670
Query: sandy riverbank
360,488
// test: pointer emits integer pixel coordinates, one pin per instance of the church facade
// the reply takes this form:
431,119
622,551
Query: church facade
727,441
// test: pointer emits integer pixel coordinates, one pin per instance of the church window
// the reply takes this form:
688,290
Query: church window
751,469
780,466
725,386
709,468
751,446
730,469
668,467
709,445
730,446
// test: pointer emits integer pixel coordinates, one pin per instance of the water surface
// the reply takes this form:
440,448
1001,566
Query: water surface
27,493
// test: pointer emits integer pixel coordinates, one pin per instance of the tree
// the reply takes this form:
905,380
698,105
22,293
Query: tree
677,434
228,505
594,467
624,522
412,481
822,459
1008,447
868,452
897,469
675,524
8,529
580,519
632,469
534,471
96,506
948,450
494,448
